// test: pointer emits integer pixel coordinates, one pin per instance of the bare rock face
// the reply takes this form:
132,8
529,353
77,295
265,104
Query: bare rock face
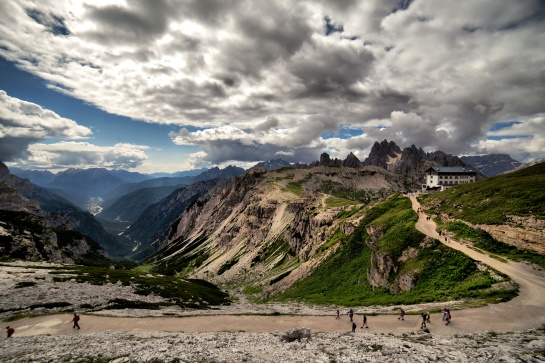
381,153
406,281
245,227
527,233
296,334
352,161
10,199
325,159
381,268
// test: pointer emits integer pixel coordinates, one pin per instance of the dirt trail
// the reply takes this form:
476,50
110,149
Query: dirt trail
521,313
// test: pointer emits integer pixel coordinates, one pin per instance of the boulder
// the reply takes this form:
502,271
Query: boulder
296,334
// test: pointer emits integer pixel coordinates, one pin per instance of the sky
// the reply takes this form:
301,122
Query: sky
166,85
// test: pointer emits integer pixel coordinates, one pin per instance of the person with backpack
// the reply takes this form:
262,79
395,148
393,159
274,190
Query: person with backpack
10,331
364,321
75,320
423,325
448,316
401,314
351,314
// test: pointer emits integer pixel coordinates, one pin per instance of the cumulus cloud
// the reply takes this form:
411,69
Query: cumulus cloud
23,123
523,139
261,79
230,144
71,154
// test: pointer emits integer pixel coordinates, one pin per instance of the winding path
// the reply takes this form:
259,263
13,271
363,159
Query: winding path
523,312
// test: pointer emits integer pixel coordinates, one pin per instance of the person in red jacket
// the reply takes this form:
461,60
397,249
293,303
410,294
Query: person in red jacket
10,331
75,320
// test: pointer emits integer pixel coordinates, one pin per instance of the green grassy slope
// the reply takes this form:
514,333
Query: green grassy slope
443,273
489,201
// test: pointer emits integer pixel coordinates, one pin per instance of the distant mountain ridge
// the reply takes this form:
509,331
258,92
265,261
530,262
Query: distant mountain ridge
493,164
272,164
61,214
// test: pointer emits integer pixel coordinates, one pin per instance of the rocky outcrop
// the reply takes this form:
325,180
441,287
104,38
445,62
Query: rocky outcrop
11,200
296,334
45,211
29,237
384,268
381,268
526,233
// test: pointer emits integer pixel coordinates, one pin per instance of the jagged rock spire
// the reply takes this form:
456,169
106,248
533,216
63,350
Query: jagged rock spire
381,153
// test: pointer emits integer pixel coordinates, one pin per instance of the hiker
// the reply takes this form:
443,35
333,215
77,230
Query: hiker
75,320
338,314
10,331
428,317
423,325
354,327
351,314
447,316
401,314
364,321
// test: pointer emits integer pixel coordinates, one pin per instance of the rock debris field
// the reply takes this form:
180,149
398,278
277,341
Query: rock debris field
124,347
234,334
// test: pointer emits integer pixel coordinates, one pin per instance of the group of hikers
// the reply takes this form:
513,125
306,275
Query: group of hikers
75,319
426,318
351,315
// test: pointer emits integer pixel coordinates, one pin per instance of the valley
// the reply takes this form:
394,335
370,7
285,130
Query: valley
258,253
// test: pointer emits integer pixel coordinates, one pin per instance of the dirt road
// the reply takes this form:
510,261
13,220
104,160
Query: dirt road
524,312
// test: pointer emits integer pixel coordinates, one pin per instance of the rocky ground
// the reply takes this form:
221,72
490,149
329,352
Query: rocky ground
156,347
121,345
46,290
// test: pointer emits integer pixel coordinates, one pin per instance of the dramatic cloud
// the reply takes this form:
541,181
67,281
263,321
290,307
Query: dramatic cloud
524,139
84,155
264,79
230,144
24,123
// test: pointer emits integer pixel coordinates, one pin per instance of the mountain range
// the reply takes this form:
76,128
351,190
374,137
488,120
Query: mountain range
278,220
494,164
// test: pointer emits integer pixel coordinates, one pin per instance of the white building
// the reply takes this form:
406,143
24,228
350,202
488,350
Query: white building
443,177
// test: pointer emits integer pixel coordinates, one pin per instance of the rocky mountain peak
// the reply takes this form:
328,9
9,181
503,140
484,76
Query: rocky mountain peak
382,153
325,159
352,161
3,169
